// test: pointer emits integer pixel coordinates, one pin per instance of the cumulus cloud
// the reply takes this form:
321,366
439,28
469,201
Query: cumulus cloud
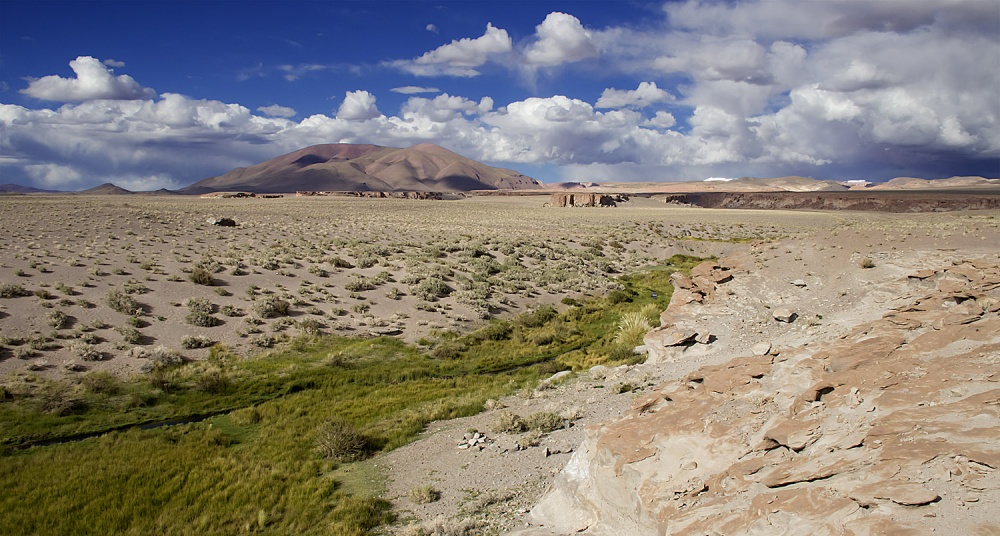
461,57
646,94
113,63
661,120
444,107
358,106
93,81
413,90
276,110
561,38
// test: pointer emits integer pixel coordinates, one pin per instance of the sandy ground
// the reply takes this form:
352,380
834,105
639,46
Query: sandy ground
817,273
499,257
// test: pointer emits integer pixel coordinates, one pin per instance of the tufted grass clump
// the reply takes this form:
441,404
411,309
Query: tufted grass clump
424,494
506,422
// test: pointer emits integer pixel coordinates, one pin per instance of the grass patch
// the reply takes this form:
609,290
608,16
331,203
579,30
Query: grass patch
257,463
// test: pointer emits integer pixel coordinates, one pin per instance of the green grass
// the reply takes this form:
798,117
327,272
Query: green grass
255,467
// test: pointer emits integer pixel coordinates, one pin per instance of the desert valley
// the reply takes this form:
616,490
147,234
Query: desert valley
789,357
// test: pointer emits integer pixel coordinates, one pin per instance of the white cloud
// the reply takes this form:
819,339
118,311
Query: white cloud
561,38
460,57
661,120
413,90
358,106
93,81
646,94
444,107
276,110
294,72
431,28
113,63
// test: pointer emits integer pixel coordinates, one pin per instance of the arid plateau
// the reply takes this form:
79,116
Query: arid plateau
493,364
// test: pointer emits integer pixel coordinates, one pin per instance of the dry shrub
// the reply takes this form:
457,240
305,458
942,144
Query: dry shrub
339,441
508,423
424,494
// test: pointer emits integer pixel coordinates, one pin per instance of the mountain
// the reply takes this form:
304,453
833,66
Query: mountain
19,189
352,167
106,189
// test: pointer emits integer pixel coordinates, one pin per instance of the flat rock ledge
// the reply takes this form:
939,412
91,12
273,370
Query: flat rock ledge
893,428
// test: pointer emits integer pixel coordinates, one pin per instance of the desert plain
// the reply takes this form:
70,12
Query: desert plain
825,371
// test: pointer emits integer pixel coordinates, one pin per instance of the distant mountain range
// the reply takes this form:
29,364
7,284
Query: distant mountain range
348,167
18,189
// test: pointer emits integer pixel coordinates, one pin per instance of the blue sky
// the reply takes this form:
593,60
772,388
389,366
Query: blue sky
162,94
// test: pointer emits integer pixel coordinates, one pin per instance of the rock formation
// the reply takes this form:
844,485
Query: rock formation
892,428
585,200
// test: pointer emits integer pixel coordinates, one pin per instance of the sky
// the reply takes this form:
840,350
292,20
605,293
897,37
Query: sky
162,94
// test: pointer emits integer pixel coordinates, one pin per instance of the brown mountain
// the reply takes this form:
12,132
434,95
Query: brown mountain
349,167
106,189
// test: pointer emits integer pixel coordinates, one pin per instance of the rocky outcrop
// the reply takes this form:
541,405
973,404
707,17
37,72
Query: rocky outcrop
585,200
680,333
883,201
892,428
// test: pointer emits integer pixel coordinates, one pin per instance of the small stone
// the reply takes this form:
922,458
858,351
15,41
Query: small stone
703,338
799,283
689,465
784,314
761,348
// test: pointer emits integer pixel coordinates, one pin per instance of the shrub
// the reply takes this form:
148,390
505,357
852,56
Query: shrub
310,326
424,494
508,423
338,262
102,382
213,381
57,319
129,334
201,319
200,305
544,422
359,284
87,352
618,296
539,317
393,293
431,289
230,310
271,306
163,356
867,262
121,302
11,290
339,441
497,330
191,342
